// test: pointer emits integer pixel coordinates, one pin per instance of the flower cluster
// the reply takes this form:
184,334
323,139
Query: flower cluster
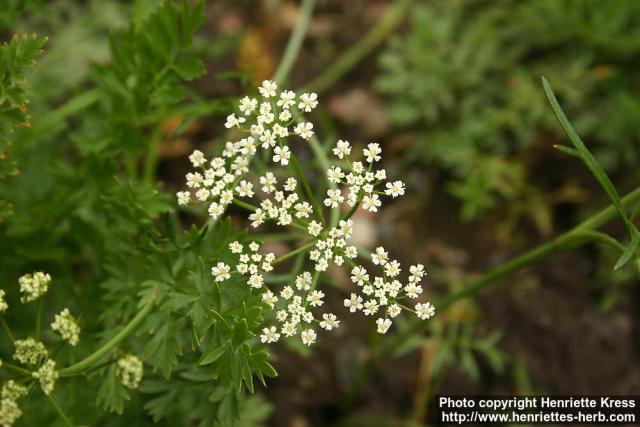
9,410
130,370
354,182
29,351
267,122
3,304
66,325
282,206
33,286
47,376
382,294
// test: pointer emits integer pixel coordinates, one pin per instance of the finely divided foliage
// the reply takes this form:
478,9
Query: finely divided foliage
265,124
180,321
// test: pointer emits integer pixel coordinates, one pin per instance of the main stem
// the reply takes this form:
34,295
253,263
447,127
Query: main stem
572,238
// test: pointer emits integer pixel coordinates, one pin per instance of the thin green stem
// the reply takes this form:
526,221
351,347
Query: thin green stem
39,318
6,329
89,361
295,42
16,369
361,49
571,239
54,402
295,252
307,188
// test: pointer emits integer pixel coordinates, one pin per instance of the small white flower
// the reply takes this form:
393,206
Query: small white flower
370,307
269,335
268,182
255,281
329,322
287,99
247,105
371,202
359,275
286,292
335,175
354,303
234,121
236,247
303,210
308,337
413,290
425,311
269,298
314,228
244,189
184,197
268,89
284,116
394,189
392,269
291,184
304,130
342,149
281,155
268,139
221,272
289,329
334,198
197,159
303,281
383,325
215,210
417,273
308,101
315,298
380,256
394,310
372,152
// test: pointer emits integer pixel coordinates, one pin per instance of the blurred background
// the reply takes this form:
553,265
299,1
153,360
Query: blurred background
452,91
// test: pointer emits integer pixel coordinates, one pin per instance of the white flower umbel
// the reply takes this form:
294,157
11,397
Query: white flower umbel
33,286
47,376
3,304
130,369
275,123
29,351
66,325
9,410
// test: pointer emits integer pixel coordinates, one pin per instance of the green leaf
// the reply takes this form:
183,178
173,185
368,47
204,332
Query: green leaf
162,350
112,394
586,156
629,252
189,68
567,150
213,355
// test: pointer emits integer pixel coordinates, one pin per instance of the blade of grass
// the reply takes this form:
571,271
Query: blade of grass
586,156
